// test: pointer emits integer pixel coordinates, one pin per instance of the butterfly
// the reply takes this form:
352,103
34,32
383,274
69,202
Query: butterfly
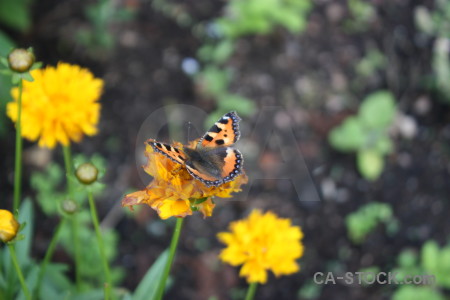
214,160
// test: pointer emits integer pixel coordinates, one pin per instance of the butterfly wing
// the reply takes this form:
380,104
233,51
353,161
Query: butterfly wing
224,132
215,166
173,153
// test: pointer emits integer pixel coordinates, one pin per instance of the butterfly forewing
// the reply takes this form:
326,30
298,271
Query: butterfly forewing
224,132
173,153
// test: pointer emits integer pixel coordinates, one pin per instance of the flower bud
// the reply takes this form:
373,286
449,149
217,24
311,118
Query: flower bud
8,226
86,173
20,60
69,206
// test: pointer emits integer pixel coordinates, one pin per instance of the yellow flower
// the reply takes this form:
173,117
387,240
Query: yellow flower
260,243
173,192
8,226
59,106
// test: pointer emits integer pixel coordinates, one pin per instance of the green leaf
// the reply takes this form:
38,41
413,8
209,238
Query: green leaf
27,76
349,136
242,105
45,184
407,259
383,144
36,65
409,292
6,44
5,97
378,110
15,14
23,248
148,286
370,164
430,256
214,80
55,284
15,79
374,60
309,290
444,261
94,294
222,51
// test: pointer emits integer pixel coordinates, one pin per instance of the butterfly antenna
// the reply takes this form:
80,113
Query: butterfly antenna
189,125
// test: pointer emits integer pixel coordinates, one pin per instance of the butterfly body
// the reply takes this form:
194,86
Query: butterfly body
213,161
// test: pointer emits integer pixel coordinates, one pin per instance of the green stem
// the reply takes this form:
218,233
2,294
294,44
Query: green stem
173,248
100,245
74,220
47,257
69,170
76,249
18,155
12,252
251,291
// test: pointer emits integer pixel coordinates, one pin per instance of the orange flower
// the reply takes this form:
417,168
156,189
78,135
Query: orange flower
173,192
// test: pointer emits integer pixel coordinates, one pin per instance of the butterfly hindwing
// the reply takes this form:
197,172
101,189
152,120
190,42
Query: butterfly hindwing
173,153
214,166
224,132
208,180
233,163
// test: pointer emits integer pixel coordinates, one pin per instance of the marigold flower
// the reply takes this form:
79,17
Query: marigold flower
59,106
260,243
8,226
173,192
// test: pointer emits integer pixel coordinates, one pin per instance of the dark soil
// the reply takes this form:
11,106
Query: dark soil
312,77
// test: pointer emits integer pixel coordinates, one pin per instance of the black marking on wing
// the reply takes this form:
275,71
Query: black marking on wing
215,129
208,138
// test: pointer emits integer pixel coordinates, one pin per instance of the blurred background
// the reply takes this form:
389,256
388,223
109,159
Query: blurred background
361,86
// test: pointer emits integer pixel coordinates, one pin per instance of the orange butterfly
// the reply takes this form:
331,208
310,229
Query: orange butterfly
213,161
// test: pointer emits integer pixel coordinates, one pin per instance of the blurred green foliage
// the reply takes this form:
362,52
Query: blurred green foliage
373,61
309,291
49,196
436,261
5,97
433,261
262,16
55,284
362,12
436,24
98,38
6,45
241,18
16,14
409,292
219,38
367,218
367,133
